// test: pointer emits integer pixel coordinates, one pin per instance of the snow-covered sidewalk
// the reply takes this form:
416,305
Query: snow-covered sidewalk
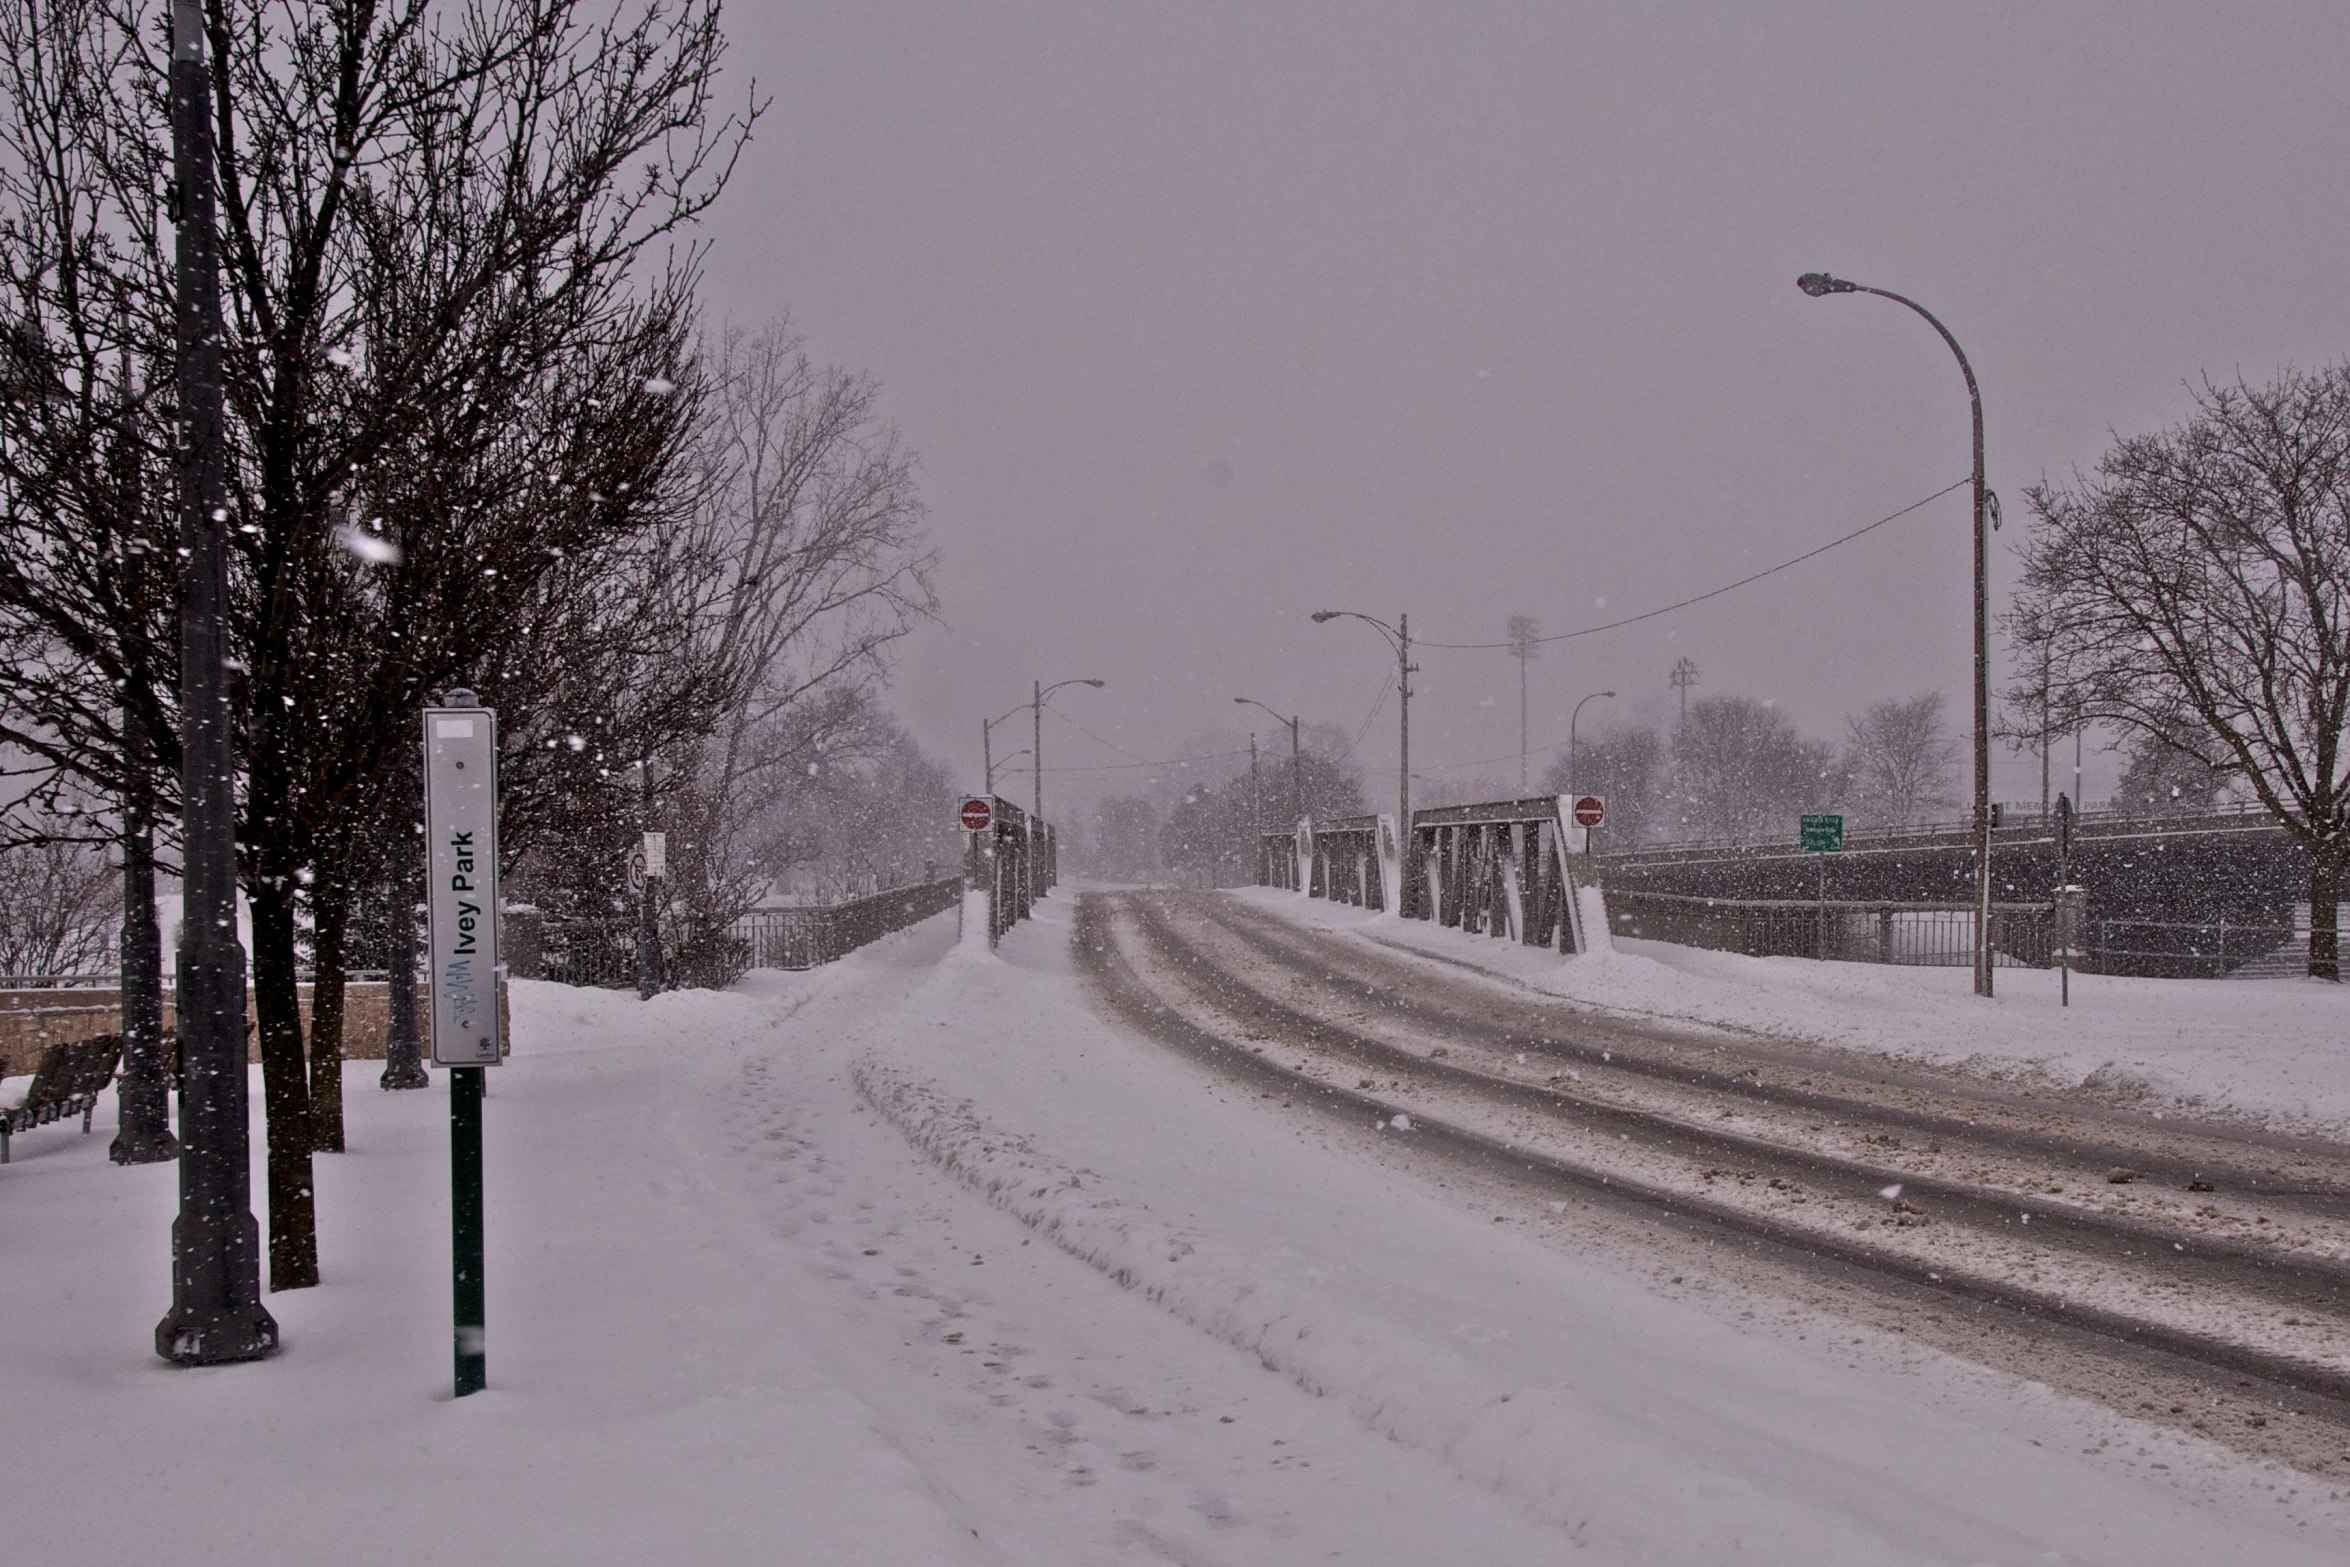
2278,1049
916,1259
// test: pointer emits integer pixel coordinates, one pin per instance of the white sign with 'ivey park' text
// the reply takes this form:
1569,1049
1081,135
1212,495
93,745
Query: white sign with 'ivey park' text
461,858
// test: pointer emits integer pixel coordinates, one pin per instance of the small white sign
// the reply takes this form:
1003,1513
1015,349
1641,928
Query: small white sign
461,828
656,854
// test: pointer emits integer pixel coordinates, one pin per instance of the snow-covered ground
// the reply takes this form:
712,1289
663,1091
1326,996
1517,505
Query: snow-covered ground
2278,1049
916,1259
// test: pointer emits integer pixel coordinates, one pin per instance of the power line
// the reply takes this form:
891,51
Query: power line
1768,571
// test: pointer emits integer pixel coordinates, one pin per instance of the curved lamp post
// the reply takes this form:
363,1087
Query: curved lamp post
1006,762
1818,285
1574,781
1036,740
1399,636
1297,774
987,743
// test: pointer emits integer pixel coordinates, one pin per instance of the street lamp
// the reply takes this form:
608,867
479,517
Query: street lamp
1399,636
1036,740
1007,761
1818,285
987,743
1574,781
216,1312
1297,774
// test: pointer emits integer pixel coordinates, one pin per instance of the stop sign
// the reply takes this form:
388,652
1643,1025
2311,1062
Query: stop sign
1590,810
976,815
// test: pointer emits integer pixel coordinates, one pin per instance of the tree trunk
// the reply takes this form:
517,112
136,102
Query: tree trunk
143,1115
2325,901
285,1088
330,913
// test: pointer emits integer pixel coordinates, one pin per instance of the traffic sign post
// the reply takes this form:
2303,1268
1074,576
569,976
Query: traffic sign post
1586,811
461,834
977,815
1821,834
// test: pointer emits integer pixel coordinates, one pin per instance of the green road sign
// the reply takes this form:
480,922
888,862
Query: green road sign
1822,834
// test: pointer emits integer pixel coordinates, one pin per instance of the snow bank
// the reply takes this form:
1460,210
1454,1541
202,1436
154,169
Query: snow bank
2271,1048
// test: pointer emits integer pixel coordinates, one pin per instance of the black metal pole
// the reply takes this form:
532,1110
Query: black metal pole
465,1210
216,1312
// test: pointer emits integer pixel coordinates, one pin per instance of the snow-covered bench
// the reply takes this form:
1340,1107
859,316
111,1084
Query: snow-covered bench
69,1080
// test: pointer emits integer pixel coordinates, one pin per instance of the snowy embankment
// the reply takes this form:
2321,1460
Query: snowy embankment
2277,1049
1066,1298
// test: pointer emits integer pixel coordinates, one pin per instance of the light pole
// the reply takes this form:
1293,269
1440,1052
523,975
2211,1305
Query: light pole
1399,636
1819,285
1574,781
1297,774
1036,737
216,1312
1525,645
1006,762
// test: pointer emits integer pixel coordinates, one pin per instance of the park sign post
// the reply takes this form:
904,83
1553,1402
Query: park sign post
461,835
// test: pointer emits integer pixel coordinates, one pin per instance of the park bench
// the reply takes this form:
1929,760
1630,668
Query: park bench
69,1080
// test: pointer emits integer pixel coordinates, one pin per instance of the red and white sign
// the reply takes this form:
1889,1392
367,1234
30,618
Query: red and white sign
1590,810
977,815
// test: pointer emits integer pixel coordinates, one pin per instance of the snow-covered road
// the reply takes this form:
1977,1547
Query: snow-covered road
918,1259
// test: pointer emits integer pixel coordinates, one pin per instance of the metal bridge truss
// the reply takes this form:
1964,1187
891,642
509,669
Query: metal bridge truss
1507,869
1017,859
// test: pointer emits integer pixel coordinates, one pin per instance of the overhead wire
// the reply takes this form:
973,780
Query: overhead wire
1715,593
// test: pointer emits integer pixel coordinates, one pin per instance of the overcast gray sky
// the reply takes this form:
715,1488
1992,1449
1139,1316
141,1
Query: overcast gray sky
1205,316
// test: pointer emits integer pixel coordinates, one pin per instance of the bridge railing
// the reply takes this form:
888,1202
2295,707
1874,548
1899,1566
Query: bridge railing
1927,935
1016,861
809,936
2017,822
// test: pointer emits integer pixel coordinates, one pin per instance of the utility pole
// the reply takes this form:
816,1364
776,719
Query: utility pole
1526,643
1403,691
216,1312
1684,676
1256,808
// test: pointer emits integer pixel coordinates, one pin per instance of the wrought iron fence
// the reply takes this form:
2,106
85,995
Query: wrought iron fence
1928,935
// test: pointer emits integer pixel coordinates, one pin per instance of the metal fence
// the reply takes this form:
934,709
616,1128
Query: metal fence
1928,935
1941,935
803,938
2216,949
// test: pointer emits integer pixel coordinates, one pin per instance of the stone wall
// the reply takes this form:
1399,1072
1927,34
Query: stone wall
33,1020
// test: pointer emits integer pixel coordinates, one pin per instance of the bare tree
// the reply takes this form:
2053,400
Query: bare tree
59,905
1740,770
2171,774
432,214
1627,768
2199,582
1897,757
811,535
